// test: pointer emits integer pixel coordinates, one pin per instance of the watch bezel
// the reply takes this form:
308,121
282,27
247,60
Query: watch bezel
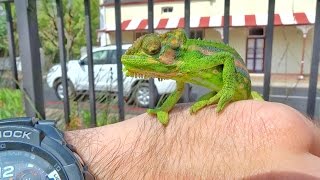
44,135
37,151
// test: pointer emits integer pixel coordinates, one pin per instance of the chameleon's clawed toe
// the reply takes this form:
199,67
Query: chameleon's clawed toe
197,106
152,111
193,110
162,116
225,98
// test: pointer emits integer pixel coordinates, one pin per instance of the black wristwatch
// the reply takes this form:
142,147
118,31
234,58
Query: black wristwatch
35,149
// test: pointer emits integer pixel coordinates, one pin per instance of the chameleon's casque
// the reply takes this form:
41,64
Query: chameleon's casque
172,55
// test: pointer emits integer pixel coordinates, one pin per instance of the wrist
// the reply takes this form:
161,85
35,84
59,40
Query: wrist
105,149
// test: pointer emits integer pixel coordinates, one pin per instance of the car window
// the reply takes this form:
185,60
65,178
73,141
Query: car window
104,57
99,57
113,55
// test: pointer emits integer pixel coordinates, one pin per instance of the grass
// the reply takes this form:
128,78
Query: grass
103,118
80,116
11,103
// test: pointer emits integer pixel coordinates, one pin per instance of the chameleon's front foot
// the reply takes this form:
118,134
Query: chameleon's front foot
197,106
162,116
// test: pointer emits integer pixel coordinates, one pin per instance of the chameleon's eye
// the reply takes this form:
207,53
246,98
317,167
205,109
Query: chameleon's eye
151,44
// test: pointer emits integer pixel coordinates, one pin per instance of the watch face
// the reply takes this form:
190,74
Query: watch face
28,163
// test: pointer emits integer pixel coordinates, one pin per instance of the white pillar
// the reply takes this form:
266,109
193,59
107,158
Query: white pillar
220,30
304,29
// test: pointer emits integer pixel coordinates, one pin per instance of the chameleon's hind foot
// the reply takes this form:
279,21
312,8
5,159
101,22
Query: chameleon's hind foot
202,102
162,116
223,98
256,96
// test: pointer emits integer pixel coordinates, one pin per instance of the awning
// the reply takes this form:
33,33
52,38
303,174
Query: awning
299,18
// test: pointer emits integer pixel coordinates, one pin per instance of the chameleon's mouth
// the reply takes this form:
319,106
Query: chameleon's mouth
147,67
135,74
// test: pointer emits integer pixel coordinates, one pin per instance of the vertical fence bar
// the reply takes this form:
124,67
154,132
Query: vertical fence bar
312,92
226,22
12,47
119,64
92,94
268,50
187,3
62,53
150,16
30,54
152,88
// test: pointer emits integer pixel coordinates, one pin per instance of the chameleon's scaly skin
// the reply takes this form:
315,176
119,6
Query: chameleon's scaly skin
213,65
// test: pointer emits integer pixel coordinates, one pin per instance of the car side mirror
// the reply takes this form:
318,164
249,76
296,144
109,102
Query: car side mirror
81,62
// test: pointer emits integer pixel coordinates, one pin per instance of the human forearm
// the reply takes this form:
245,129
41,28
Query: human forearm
143,147
242,141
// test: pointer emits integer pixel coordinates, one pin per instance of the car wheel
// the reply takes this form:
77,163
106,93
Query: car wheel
142,94
58,88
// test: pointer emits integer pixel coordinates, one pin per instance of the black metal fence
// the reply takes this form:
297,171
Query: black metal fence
29,39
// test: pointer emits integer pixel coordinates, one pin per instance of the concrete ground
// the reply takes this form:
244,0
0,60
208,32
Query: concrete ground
283,80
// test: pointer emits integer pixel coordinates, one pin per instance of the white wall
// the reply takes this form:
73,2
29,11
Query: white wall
287,43
210,8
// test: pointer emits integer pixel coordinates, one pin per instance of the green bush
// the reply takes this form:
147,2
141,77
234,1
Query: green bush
11,103
103,118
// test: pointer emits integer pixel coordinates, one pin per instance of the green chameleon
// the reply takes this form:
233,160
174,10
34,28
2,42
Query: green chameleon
172,55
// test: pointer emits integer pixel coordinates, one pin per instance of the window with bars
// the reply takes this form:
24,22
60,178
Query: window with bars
256,32
196,34
255,50
255,54
168,9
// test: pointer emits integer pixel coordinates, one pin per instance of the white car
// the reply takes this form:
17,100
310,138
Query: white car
105,75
